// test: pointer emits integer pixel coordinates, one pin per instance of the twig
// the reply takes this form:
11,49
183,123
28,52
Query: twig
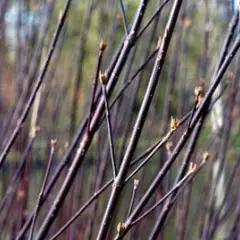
86,141
37,85
154,15
102,47
103,80
40,196
113,69
117,187
146,154
182,183
135,185
123,17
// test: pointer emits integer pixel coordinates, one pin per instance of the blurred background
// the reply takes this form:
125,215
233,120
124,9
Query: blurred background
26,30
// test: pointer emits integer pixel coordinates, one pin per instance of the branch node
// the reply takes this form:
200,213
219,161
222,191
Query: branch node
206,156
102,45
53,142
199,91
169,146
121,227
103,78
135,183
192,167
174,124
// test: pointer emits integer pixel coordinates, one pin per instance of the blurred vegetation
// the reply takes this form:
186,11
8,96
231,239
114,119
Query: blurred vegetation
57,92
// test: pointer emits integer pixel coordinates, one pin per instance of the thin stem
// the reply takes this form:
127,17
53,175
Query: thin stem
102,47
149,152
103,79
40,196
173,190
82,209
117,187
114,69
38,84
182,183
125,86
154,15
130,81
146,154
160,176
87,139
123,17
13,184
192,113
135,185
182,171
